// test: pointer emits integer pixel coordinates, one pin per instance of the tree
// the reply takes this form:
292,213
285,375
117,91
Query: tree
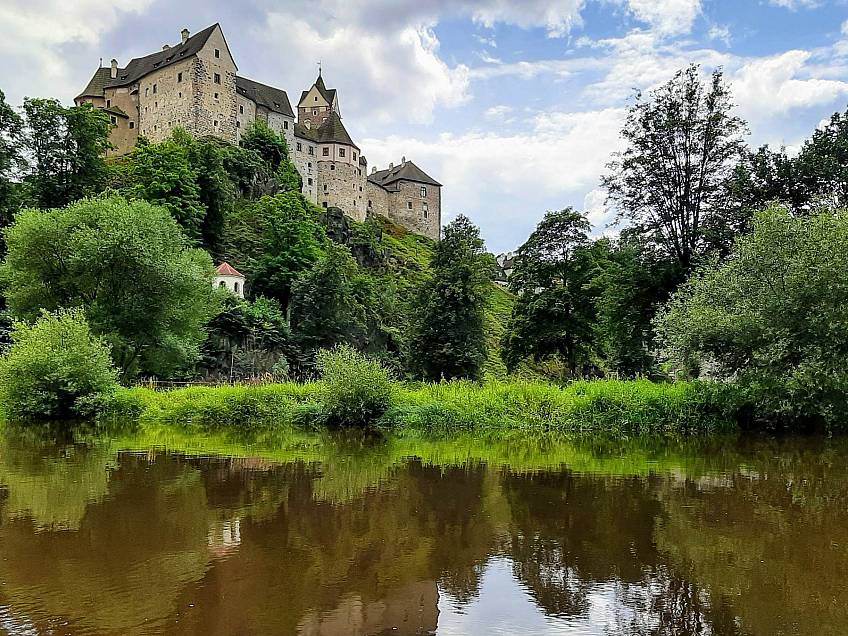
554,311
127,265
247,339
324,311
291,243
11,161
55,368
273,150
822,166
67,147
447,325
682,143
161,174
773,315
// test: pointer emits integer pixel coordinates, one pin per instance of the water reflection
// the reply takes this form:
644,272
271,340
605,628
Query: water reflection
324,536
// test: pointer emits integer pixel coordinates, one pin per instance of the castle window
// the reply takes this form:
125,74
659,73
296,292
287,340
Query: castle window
309,165
113,119
341,152
132,124
286,125
424,209
241,110
326,152
423,191
332,166
409,205
222,285
180,94
217,78
325,187
145,91
108,103
316,99
238,124
354,156
235,287
299,147
155,104
315,112
324,204
323,119
354,203
369,203
309,181
311,150
154,89
179,77
216,95
217,53
215,123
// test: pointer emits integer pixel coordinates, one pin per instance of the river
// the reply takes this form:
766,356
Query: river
331,534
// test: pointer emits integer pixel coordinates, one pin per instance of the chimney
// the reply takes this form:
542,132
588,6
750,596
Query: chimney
166,47
185,35
114,68
391,165
373,169
403,161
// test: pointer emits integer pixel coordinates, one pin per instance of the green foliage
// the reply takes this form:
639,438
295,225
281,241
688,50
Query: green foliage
66,146
773,315
325,311
448,339
247,340
265,142
682,145
127,265
162,174
11,159
291,243
554,310
821,168
55,368
356,390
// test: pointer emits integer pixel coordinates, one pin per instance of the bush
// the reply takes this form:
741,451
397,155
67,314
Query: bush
355,390
55,369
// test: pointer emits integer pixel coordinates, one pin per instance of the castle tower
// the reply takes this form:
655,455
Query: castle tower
317,104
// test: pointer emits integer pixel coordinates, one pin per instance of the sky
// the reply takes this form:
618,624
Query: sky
515,106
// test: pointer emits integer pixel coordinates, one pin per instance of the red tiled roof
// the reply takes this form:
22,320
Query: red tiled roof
225,269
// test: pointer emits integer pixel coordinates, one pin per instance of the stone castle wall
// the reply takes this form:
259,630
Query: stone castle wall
406,206
165,102
306,163
342,185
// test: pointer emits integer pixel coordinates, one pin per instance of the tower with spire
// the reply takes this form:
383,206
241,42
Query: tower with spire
317,104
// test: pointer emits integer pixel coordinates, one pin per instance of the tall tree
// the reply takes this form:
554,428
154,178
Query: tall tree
11,160
682,143
324,309
554,311
448,339
66,146
822,165
127,265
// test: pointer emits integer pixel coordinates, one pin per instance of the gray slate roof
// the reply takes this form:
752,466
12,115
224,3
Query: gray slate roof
274,99
141,66
331,131
95,85
407,171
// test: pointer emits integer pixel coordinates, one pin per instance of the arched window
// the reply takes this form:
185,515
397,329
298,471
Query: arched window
222,284
235,287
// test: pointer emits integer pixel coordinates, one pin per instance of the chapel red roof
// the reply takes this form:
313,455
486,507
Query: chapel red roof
225,269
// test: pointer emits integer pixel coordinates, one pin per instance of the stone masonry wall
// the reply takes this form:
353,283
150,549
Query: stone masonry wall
342,185
122,136
307,165
170,104
396,206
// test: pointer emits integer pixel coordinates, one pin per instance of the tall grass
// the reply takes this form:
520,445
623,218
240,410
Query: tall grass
614,406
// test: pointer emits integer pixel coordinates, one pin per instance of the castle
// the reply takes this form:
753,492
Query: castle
195,85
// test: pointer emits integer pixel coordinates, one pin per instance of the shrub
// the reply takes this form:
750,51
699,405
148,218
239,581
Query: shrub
355,390
55,368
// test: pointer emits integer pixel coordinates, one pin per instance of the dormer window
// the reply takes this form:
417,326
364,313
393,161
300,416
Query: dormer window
276,105
155,64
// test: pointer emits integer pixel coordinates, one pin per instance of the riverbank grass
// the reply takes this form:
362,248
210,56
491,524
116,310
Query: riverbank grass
637,406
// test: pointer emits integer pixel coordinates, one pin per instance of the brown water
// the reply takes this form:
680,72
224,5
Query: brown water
327,536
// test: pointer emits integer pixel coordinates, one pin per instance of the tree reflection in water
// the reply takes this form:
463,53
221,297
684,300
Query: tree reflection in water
332,537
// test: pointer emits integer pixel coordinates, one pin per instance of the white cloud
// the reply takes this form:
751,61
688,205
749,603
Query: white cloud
666,16
794,5
599,215
498,113
720,33
32,32
845,28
